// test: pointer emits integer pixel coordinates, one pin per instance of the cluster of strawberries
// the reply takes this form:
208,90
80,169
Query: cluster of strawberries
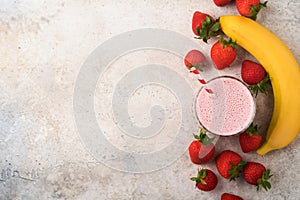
248,8
228,163
223,53
252,73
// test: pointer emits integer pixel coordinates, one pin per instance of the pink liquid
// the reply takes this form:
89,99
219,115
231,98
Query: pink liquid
230,110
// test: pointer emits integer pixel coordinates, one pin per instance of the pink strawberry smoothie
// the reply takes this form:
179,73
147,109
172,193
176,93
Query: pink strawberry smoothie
229,110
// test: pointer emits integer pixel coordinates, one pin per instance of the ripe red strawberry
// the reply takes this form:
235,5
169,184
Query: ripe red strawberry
256,174
201,150
229,164
250,139
204,26
223,53
252,72
221,2
255,75
227,196
194,58
249,8
198,19
206,180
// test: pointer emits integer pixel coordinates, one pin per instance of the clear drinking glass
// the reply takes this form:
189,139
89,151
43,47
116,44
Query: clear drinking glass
229,110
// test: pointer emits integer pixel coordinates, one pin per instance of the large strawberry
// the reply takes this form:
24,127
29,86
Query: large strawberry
223,53
206,180
250,139
227,196
221,2
229,164
255,75
202,149
194,58
204,26
249,8
256,174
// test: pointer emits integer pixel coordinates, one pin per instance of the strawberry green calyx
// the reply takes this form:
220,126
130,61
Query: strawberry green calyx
200,177
255,9
227,43
253,130
263,86
263,181
235,170
203,138
209,29
198,66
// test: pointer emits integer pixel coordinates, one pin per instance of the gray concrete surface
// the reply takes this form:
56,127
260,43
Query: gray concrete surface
43,46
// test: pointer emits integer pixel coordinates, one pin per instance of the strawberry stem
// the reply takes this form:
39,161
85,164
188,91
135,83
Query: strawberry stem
263,181
209,29
200,177
235,170
203,138
255,9
226,43
253,130
198,66
263,86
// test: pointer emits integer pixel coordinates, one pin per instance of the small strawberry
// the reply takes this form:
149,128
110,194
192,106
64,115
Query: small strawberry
252,72
221,2
256,174
250,139
194,58
249,8
227,196
199,20
204,26
229,164
223,53
206,180
201,150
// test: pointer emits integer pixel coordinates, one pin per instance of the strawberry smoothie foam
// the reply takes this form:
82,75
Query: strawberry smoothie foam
229,110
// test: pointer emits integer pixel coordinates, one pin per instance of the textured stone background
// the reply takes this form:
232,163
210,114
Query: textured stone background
43,45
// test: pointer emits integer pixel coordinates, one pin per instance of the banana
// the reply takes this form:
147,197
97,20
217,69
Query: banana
284,74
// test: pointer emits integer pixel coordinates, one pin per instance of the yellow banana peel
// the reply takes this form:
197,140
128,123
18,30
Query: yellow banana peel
284,73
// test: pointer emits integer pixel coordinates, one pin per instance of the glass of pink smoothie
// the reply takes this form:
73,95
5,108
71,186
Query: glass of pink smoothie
229,110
